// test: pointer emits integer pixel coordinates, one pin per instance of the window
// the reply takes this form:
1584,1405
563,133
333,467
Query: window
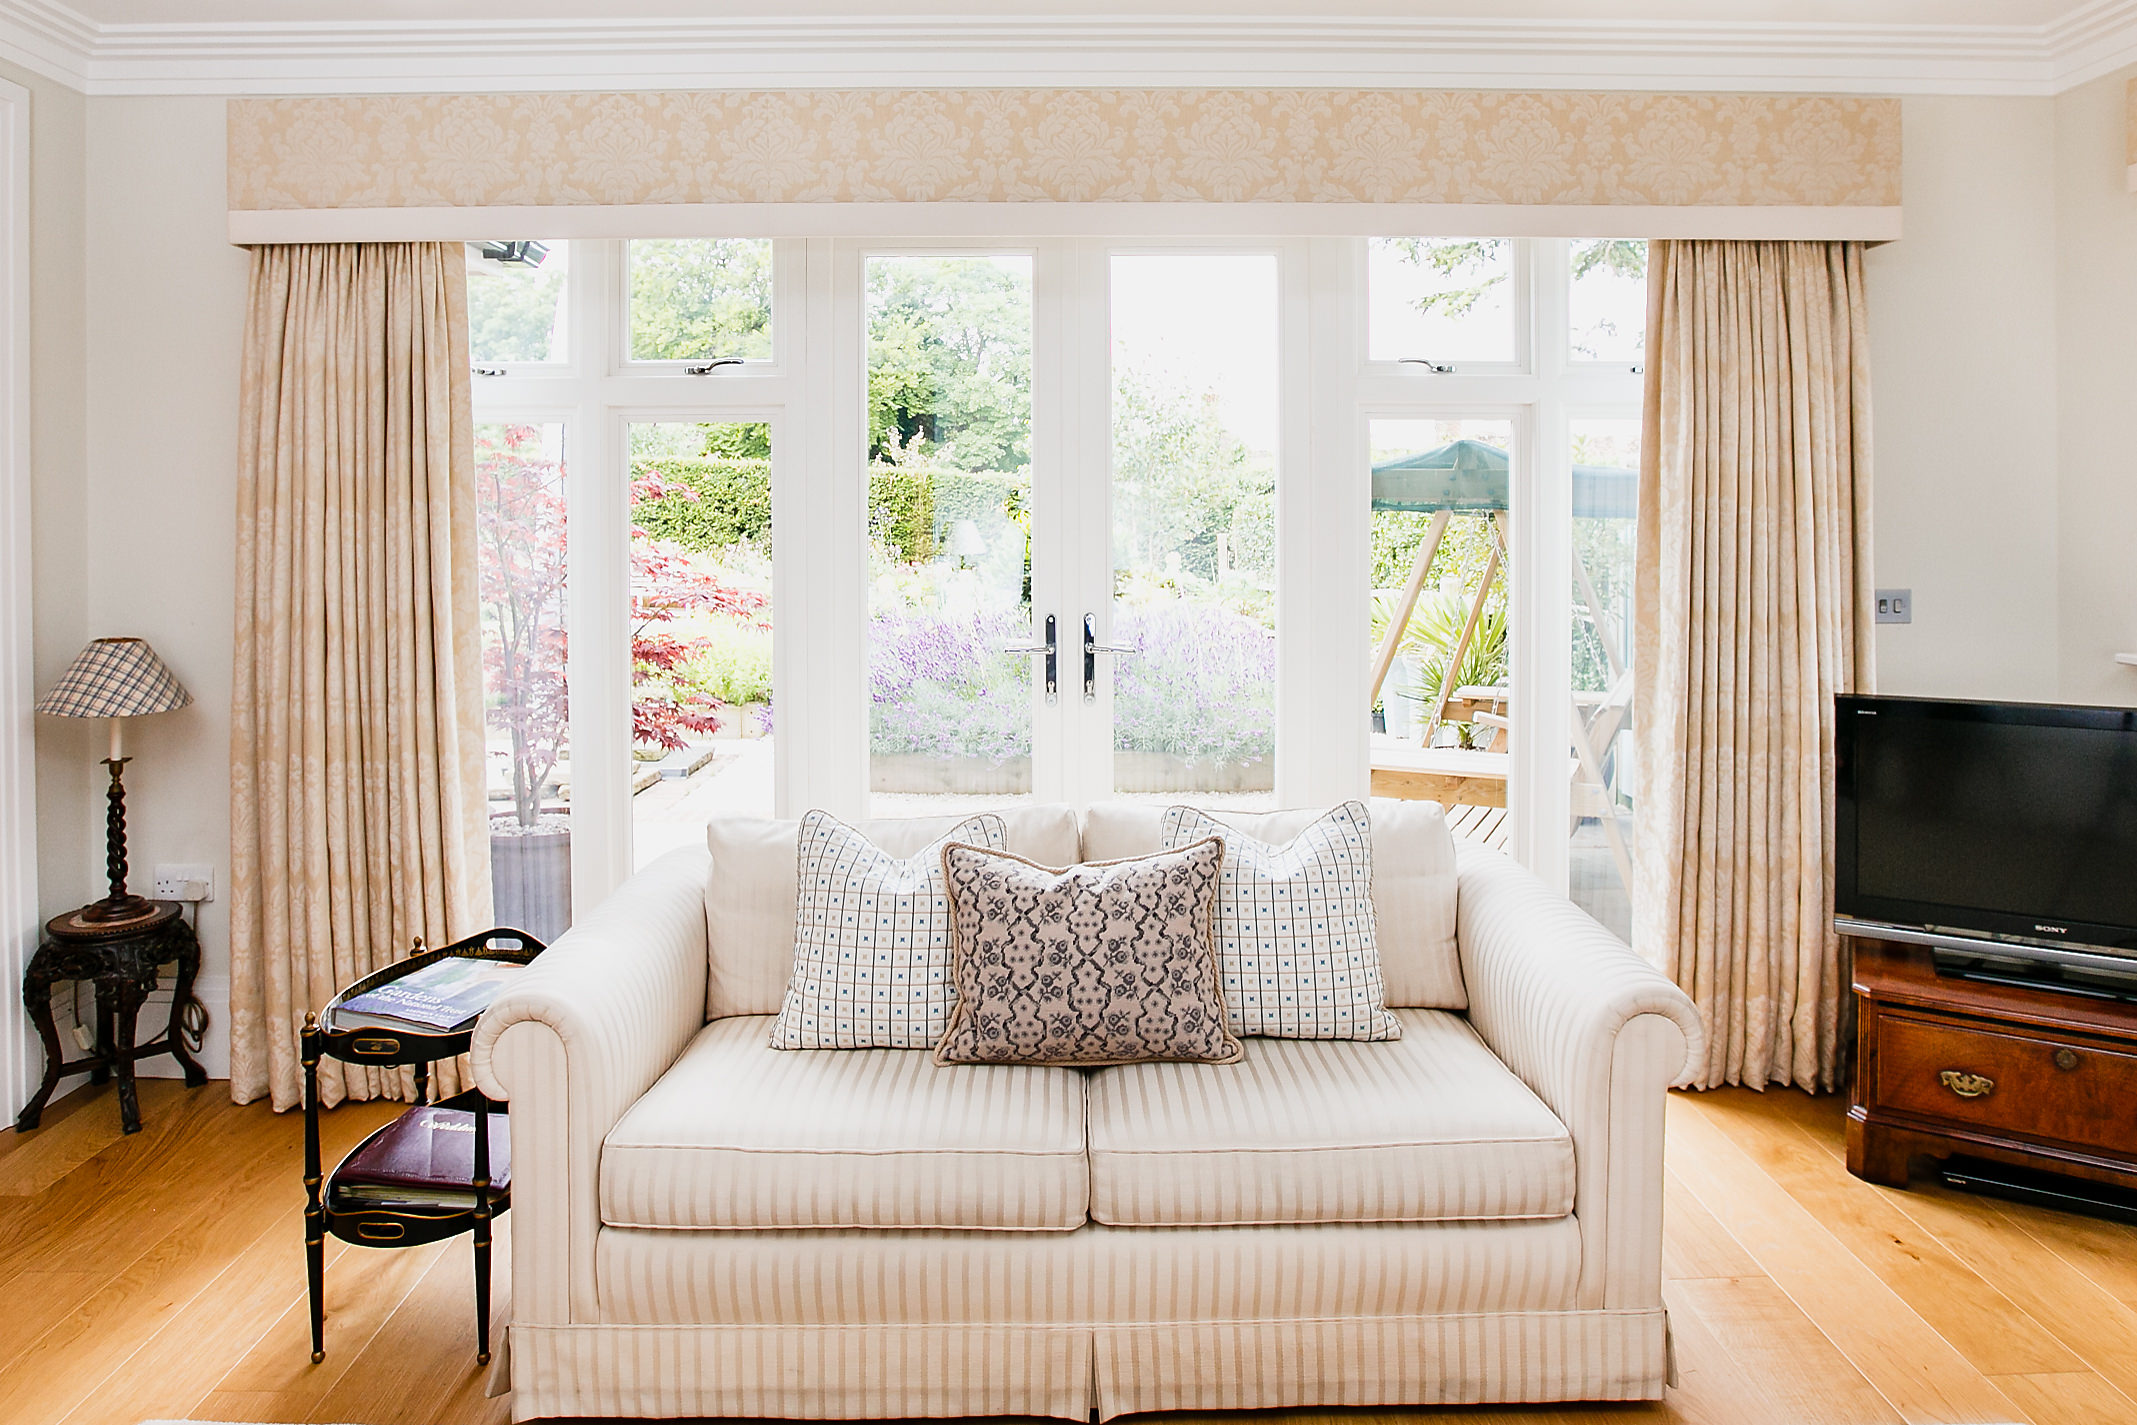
902,528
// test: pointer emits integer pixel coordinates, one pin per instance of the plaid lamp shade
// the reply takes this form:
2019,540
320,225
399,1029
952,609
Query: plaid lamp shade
115,677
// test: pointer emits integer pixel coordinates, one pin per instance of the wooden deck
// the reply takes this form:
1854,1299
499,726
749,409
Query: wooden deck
1484,825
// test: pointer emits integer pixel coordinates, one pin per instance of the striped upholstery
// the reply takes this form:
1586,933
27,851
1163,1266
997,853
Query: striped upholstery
1426,1128
1096,1276
1599,1034
741,1135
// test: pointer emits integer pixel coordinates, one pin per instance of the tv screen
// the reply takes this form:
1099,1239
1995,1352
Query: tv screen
2001,819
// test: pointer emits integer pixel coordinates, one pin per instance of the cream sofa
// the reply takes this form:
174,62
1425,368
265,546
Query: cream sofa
703,1225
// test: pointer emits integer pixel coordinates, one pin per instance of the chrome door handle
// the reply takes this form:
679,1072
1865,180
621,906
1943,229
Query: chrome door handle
1047,648
1091,649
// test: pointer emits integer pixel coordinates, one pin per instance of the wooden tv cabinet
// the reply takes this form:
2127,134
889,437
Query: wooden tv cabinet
2032,1077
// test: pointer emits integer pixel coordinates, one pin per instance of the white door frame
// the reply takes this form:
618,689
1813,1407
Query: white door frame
18,751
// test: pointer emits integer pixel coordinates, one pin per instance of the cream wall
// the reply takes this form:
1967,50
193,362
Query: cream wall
165,316
1963,370
2096,308
138,285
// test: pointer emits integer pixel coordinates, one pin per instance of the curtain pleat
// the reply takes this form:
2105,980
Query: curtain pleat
1753,611
357,810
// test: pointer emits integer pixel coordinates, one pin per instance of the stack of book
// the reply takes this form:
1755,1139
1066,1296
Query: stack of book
425,1159
441,998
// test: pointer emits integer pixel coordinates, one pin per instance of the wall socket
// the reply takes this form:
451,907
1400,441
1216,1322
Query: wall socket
185,882
1895,606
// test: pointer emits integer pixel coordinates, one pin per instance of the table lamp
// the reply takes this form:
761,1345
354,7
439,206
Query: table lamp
115,678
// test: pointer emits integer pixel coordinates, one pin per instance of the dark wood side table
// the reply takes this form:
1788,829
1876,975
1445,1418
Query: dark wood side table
2030,1077
373,1224
123,965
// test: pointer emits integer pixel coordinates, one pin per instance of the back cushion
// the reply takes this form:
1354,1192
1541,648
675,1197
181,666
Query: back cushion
750,891
1413,883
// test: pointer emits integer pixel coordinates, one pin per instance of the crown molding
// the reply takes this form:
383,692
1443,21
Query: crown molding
425,56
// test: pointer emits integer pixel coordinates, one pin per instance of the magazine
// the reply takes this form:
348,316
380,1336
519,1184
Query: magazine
443,996
425,1158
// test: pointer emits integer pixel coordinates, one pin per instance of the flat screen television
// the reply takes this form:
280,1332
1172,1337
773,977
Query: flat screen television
2002,834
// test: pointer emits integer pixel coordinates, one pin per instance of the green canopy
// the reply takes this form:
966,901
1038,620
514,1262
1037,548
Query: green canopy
1470,477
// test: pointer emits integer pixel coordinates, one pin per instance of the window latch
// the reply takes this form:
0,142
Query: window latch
489,371
1437,368
706,368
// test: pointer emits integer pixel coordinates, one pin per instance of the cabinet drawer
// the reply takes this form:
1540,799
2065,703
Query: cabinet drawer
2061,1091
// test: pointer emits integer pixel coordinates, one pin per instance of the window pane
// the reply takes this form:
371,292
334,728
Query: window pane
1606,463
949,532
1447,299
701,629
1609,299
520,526
699,298
1194,527
515,302
1440,699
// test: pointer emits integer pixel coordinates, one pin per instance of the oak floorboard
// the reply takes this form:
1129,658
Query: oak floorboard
1923,1375
1945,1286
1785,1369
1694,1243
2069,1398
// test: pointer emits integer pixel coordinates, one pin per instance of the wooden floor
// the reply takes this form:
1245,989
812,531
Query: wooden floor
161,1276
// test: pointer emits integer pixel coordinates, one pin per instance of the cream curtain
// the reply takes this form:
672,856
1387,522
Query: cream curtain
1753,605
356,795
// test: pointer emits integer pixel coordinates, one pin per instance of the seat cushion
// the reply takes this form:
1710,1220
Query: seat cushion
751,889
740,1135
1430,1127
1413,882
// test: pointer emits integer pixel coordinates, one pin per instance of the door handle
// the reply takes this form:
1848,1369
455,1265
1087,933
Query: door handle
1091,649
1048,648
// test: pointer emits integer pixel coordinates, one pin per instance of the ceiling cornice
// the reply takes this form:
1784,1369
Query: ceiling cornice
315,57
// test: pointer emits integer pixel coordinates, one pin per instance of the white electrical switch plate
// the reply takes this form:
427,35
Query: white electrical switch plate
185,883
1895,606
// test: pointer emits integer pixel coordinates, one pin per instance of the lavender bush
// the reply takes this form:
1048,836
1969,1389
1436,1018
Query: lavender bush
1202,686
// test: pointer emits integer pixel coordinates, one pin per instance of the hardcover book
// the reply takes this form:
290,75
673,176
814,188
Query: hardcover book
426,1157
443,996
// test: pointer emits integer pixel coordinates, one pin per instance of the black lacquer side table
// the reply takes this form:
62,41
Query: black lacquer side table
122,963
374,1224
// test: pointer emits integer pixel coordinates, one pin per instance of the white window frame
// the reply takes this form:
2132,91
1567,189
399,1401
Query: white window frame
813,393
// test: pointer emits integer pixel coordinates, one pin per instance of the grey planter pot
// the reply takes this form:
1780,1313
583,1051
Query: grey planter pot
530,877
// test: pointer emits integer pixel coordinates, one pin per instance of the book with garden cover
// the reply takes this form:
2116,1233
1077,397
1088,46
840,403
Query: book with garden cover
442,997
425,1158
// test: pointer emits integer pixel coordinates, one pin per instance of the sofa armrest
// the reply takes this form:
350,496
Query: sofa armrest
1599,1035
571,1044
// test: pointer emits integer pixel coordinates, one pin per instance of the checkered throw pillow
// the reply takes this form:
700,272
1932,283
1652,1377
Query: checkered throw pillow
1295,939
871,939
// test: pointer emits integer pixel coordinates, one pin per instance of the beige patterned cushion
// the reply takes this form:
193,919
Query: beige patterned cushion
1099,963
738,1134
1430,1127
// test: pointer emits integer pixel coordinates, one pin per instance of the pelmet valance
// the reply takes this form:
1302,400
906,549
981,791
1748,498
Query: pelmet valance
442,166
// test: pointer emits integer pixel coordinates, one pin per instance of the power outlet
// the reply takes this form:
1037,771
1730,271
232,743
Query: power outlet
1895,606
185,883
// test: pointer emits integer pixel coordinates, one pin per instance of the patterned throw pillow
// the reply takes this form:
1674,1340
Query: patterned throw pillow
1295,940
871,940
1108,962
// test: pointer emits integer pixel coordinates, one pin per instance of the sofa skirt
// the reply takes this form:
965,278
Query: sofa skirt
1068,1372
848,1325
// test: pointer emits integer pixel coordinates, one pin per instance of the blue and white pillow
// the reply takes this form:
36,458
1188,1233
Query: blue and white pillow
1296,953
871,939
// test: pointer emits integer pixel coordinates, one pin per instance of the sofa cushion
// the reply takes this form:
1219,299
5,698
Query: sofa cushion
1430,1127
750,891
1413,883
740,1135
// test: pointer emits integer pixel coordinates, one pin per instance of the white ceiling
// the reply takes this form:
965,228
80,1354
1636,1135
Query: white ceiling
402,46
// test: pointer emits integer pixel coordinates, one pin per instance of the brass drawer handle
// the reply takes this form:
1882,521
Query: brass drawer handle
1967,1085
2064,1059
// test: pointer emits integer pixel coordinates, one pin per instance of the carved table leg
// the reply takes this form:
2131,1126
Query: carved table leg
100,1072
127,995
37,998
188,956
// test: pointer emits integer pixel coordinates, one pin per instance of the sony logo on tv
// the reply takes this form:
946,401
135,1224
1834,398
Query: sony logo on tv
2053,929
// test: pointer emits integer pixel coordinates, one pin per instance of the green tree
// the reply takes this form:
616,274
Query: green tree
1472,267
949,361
1179,476
512,311
699,298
